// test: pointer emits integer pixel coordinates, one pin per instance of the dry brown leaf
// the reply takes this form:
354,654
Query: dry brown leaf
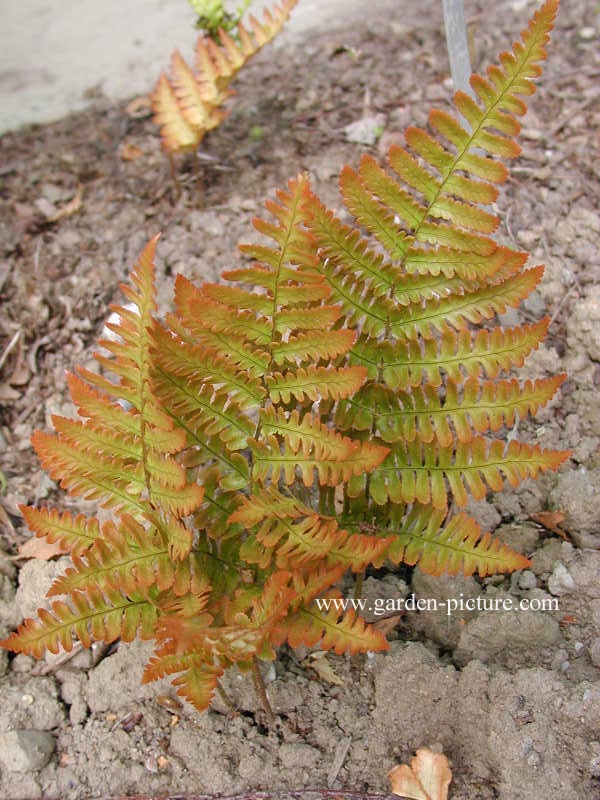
427,778
139,107
130,152
387,624
7,393
319,663
39,548
551,520
69,208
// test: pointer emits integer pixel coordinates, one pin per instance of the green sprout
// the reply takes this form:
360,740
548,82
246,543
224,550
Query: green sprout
213,16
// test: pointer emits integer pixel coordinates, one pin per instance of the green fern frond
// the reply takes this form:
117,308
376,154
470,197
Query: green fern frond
467,353
318,412
481,407
426,472
460,546
315,383
126,557
309,447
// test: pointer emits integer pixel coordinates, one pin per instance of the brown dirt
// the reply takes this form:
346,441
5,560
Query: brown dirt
57,280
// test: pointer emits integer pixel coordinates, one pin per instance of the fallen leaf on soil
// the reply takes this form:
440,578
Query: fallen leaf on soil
551,520
69,208
319,663
387,624
139,107
427,778
130,152
40,549
7,393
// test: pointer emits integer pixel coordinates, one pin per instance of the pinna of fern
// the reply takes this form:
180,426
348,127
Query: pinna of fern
321,411
189,103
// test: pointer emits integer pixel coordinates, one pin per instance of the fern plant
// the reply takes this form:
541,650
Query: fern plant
189,104
322,410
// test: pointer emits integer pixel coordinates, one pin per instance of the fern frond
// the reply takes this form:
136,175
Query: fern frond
298,537
471,307
207,411
460,546
187,105
176,133
331,630
417,471
73,533
207,365
196,679
311,346
409,362
314,383
94,614
199,112
129,557
309,446
479,406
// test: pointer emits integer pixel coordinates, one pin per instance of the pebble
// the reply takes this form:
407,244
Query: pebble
561,581
587,34
595,652
527,580
366,130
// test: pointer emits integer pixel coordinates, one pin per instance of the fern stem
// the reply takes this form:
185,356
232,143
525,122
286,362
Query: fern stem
358,584
226,699
261,690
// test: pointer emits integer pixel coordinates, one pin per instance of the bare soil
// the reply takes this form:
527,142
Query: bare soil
513,700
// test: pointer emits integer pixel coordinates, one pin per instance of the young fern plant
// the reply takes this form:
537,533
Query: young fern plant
321,411
189,103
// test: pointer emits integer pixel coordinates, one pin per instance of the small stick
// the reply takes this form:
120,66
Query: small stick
10,347
341,751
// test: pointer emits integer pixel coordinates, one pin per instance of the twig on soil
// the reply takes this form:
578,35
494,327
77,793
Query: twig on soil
59,662
574,285
10,347
341,751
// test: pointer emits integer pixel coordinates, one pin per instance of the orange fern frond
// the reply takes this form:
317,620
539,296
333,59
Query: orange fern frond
188,104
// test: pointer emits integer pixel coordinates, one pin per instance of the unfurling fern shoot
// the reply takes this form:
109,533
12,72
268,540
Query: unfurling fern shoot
321,411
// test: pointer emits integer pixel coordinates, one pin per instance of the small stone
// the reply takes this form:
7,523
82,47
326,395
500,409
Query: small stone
24,751
527,580
506,635
528,238
595,652
587,34
561,581
535,303
366,130
559,659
